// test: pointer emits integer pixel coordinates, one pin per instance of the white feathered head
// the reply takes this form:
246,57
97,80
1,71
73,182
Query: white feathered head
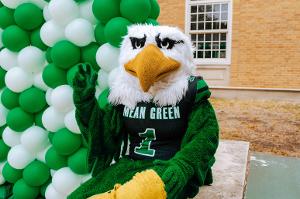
155,63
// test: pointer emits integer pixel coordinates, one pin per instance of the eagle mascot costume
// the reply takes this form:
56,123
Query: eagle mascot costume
157,136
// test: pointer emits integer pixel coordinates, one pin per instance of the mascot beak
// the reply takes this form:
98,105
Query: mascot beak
150,66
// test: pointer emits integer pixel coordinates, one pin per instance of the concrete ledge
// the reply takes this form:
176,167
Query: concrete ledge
230,171
290,95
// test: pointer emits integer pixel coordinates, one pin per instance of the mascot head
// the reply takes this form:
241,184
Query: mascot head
155,64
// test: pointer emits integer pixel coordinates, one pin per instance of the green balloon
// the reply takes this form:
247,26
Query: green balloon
155,9
54,76
54,160
104,10
38,119
36,40
99,34
3,151
88,55
1,130
28,16
115,29
78,162
36,173
32,100
71,74
152,22
2,77
9,99
48,55
65,54
103,98
15,39
65,142
22,190
135,11
6,17
19,120
11,174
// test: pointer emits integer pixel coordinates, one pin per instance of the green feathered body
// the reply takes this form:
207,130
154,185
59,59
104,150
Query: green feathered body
103,133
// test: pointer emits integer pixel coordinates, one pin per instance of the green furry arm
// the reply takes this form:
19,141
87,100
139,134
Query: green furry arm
100,128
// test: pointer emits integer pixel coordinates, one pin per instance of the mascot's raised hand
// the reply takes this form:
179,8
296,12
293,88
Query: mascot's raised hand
158,128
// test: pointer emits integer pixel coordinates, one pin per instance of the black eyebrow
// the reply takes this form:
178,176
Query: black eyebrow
158,39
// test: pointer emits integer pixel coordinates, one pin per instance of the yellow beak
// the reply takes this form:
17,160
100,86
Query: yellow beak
151,65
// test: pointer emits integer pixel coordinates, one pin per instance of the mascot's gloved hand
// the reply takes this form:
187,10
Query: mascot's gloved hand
175,176
85,80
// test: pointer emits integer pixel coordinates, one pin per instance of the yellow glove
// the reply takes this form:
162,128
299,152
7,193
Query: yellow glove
144,185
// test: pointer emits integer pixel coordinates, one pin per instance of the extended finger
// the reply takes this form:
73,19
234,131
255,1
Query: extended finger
88,68
81,69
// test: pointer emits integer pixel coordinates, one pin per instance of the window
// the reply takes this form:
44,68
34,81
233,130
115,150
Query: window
208,22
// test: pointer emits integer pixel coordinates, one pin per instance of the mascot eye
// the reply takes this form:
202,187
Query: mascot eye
138,43
166,43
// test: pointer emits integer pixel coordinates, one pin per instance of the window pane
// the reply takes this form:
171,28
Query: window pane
209,17
222,54
200,45
194,9
216,17
200,26
224,16
208,25
193,37
215,54
224,7
223,36
216,36
207,54
193,18
201,8
193,26
216,25
201,17
200,54
216,45
208,8
223,25
208,45
217,8
207,37
223,45
201,37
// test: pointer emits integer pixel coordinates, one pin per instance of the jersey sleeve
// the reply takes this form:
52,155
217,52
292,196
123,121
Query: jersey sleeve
202,90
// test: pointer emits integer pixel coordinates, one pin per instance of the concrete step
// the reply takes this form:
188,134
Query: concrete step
229,171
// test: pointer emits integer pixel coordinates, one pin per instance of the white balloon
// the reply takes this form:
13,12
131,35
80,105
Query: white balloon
63,11
12,3
39,82
51,33
52,172
1,43
3,114
86,11
102,79
11,138
41,156
51,193
71,123
108,57
46,13
32,59
18,80
40,3
113,76
8,59
62,98
65,181
2,180
53,120
80,32
34,139
18,157
48,96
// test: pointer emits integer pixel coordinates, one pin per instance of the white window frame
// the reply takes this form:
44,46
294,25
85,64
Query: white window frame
211,61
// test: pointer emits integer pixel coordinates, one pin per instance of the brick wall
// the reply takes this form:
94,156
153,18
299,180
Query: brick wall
265,41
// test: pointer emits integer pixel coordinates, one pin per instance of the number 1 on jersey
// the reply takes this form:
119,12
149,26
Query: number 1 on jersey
144,148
